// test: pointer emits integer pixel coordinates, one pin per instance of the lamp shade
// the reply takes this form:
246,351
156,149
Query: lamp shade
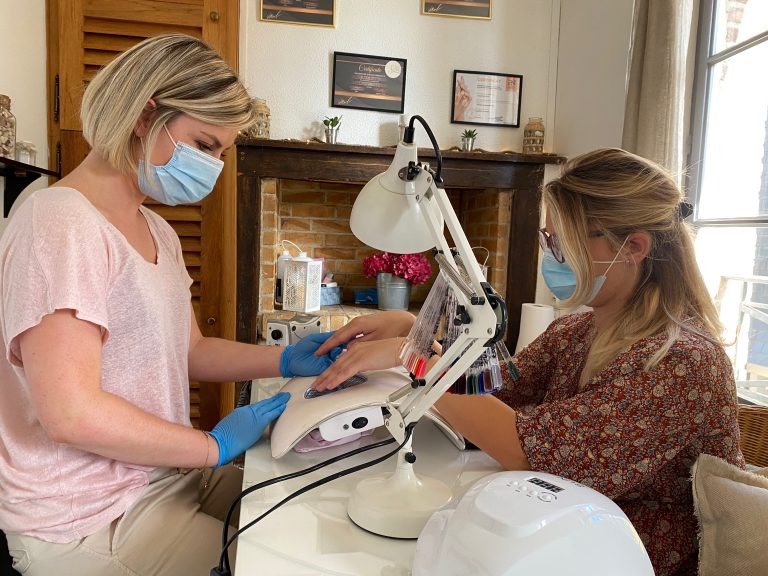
386,217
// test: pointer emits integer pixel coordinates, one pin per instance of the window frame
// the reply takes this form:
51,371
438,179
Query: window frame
705,61
702,85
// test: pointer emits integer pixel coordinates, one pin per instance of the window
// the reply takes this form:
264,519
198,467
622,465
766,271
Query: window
729,178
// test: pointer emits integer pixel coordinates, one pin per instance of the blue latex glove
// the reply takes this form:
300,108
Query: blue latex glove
300,360
242,428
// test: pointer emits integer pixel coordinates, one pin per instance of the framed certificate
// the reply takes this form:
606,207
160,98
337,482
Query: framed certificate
486,98
368,82
458,8
309,12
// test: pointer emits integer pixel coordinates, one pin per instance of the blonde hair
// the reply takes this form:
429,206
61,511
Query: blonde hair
182,74
616,193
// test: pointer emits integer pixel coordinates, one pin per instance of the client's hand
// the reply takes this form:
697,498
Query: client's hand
302,359
371,327
360,357
243,427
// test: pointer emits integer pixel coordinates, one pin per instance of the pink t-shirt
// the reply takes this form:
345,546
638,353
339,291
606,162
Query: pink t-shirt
59,252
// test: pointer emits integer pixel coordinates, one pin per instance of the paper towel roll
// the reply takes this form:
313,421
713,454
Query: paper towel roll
534,319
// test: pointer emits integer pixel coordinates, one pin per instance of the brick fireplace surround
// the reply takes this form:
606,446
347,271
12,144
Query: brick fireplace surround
304,191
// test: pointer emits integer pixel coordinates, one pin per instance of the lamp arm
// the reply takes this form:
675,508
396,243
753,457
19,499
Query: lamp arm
430,193
486,312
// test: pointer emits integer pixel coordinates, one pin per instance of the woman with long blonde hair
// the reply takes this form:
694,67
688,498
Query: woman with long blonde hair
622,398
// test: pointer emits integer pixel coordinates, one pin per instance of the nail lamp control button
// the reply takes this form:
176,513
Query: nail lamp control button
360,422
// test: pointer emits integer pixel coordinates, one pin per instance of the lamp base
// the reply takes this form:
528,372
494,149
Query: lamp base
397,505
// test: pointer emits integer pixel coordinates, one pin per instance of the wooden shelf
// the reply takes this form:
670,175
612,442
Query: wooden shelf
17,177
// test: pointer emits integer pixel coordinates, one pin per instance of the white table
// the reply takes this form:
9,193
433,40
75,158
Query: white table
312,534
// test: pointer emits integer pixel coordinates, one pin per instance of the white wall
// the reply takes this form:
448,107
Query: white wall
290,66
591,74
22,76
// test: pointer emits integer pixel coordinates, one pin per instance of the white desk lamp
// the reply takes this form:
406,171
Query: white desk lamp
403,210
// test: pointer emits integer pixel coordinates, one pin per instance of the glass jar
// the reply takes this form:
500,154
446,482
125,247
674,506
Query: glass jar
26,152
7,128
533,136
260,128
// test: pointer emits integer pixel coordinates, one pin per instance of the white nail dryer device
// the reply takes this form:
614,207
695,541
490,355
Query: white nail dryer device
343,412
520,523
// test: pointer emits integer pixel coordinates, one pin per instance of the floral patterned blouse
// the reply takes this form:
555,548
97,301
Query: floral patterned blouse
630,434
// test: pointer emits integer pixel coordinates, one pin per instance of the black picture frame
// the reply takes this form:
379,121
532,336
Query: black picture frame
477,9
367,82
306,12
494,98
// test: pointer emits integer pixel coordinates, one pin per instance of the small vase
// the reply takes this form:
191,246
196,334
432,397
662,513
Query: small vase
533,136
260,128
394,293
330,135
467,144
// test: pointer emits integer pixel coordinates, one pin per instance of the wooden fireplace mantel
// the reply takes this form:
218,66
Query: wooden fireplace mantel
319,162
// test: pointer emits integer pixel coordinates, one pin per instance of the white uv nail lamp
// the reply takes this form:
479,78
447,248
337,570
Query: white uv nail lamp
351,410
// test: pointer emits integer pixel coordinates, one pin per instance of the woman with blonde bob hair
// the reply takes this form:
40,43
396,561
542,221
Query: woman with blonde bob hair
101,471
622,398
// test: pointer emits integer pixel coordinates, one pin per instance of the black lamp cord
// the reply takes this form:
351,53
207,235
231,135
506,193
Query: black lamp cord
408,139
224,567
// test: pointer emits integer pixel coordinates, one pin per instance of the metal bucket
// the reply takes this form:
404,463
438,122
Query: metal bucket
394,293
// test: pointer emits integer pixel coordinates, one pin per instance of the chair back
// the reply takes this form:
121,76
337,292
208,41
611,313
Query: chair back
753,428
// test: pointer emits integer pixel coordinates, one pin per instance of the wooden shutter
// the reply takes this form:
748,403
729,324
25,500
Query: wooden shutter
83,36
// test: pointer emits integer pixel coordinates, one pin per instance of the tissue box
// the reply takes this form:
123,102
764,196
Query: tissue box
330,295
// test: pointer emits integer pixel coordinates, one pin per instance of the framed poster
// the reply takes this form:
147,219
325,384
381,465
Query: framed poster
309,12
458,8
486,98
368,82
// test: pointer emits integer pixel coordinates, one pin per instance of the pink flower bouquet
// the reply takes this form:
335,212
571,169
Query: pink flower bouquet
412,267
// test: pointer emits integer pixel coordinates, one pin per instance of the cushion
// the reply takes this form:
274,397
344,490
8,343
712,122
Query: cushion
731,506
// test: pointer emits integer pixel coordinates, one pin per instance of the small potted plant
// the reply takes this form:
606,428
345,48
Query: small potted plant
395,273
331,128
468,140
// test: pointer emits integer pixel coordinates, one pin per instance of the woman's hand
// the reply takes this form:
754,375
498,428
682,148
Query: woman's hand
370,327
360,357
304,359
461,99
242,428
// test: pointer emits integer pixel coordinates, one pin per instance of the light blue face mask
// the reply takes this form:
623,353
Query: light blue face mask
561,280
188,177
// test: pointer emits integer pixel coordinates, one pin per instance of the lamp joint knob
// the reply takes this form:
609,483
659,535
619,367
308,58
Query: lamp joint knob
410,457
461,316
417,382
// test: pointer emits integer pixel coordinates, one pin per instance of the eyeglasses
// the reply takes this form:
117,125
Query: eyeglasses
550,241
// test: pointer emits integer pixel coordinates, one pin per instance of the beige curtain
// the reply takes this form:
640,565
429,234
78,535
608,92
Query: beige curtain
660,82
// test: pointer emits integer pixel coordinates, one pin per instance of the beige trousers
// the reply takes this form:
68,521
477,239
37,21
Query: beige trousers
173,530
